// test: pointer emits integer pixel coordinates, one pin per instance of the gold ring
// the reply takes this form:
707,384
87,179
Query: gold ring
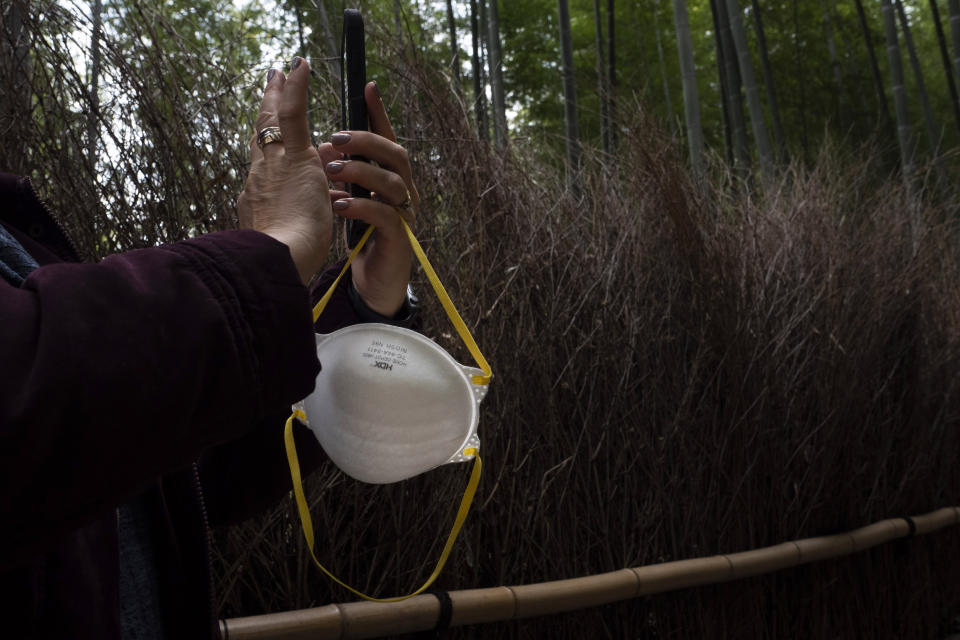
405,205
267,135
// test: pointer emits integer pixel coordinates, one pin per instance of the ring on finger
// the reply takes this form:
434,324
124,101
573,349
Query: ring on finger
406,204
267,135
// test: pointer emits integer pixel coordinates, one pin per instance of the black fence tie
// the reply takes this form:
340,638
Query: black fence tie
443,620
446,610
912,525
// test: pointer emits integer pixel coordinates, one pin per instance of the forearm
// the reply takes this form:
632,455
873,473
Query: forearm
243,477
120,371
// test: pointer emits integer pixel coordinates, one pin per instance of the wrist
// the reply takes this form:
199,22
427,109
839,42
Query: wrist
306,258
401,314
386,307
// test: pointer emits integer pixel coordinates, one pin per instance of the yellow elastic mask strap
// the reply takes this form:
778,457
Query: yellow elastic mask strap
445,300
322,304
307,522
447,303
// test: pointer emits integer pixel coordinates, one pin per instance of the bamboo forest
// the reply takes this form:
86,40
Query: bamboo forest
710,249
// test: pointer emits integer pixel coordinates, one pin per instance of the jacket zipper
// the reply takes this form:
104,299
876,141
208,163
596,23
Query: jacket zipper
45,209
208,552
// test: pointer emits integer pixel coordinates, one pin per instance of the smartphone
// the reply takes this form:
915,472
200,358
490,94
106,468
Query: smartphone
353,79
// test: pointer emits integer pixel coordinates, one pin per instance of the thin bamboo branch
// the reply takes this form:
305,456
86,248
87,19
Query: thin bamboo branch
477,606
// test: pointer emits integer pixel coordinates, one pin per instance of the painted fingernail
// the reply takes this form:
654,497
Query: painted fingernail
295,62
270,75
334,167
340,205
340,138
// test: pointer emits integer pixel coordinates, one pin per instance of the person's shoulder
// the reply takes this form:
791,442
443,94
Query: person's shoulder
11,186
22,209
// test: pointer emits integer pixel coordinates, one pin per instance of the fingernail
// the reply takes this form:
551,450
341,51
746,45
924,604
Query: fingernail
340,205
376,89
270,75
295,62
340,138
334,167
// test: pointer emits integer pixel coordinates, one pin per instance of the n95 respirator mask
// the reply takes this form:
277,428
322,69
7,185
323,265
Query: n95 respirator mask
390,403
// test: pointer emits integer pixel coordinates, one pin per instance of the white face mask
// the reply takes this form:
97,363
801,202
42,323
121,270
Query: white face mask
390,404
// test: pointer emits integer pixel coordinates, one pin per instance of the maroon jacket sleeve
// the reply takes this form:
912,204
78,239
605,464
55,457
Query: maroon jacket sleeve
113,373
245,476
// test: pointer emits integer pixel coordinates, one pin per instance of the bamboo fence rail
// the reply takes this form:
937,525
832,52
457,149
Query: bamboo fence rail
353,620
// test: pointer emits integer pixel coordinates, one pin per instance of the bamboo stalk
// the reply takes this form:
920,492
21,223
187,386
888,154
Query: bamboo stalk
612,76
945,57
834,61
454,46
723,86
569,98
731,74
757,122
476,60
671,576
663,69
544,598
495,62
761,561
954,9
874,66
476,606
768,83
602,91
932,134
904,136
691,99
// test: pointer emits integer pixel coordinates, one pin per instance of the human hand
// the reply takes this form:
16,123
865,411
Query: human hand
286,194
381,270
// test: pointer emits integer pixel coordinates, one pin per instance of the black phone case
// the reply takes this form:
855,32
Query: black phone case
354,71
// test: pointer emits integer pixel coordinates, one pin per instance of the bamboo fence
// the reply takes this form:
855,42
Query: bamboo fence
354,620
